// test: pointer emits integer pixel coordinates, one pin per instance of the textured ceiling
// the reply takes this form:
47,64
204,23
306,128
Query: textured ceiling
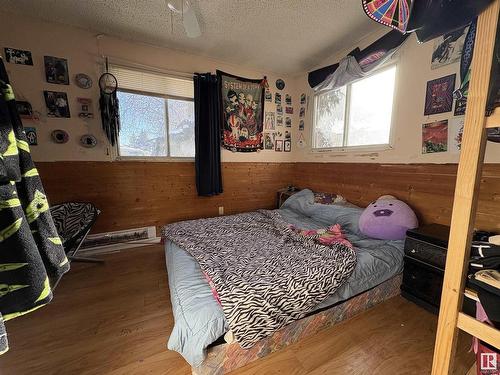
275,35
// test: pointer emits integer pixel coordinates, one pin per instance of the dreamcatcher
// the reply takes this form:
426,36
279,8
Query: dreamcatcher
392,13
108,103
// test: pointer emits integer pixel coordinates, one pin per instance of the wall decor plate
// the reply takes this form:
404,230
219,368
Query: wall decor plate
88,141
83,81
60,136
280,84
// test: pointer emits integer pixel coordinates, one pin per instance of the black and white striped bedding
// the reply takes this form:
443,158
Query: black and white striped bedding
266,275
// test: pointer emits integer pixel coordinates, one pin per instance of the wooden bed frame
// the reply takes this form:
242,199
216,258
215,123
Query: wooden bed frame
224,358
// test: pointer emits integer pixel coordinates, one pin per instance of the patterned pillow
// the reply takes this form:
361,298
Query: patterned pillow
325,236
328,198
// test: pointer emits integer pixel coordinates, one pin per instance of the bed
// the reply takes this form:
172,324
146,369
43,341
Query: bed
200,324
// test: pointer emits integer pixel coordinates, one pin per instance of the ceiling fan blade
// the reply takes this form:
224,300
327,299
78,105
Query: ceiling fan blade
190,23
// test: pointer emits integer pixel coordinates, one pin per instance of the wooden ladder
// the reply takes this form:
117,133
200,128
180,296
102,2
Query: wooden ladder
451,319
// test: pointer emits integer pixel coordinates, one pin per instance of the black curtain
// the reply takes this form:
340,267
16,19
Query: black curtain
207,117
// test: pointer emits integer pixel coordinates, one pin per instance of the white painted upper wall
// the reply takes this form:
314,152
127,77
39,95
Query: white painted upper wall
84,54
413,72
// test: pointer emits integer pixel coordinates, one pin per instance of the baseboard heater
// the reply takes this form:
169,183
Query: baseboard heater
102,243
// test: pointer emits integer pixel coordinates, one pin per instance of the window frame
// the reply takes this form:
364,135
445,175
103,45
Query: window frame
346,149
154,158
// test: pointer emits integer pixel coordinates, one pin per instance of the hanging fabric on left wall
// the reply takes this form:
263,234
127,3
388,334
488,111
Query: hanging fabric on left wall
242,112
31,252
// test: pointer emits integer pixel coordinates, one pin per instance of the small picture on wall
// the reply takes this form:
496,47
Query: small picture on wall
460,106
56,70
448,48
287,145
289,110
57,104
269,121
302,98
277,98
439,95
455,132
279,109
278,146
288,134
279,120
301,125
302,112
31,136
24,109
435,137
85,108
268,96
268,141
288,122
18,56
288,99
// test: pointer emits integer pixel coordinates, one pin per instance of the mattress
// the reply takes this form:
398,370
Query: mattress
199,319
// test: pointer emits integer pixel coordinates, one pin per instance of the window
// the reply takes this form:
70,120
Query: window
156,114
355,115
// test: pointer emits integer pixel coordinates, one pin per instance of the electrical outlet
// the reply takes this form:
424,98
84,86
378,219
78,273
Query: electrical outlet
221,210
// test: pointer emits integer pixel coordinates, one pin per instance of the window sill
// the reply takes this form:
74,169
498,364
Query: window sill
351,149
155,159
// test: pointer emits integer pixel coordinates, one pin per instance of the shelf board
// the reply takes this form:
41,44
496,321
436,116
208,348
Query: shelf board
482,331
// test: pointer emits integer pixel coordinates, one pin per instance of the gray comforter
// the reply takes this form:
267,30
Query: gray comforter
199,319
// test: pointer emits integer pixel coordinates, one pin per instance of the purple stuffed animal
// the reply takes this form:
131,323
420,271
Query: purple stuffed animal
387,219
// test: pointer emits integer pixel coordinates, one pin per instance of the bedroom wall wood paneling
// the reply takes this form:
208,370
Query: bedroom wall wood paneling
134,194
427,188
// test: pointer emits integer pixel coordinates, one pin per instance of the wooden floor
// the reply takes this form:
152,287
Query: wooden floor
115,319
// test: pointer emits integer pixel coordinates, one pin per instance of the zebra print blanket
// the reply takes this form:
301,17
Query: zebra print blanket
265,274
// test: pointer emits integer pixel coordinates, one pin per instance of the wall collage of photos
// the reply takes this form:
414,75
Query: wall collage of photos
278,119
57,104
445,134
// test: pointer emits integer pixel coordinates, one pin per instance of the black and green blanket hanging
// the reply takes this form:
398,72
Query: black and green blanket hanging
31,253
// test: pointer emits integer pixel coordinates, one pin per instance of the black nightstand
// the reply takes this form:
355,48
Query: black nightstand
424,263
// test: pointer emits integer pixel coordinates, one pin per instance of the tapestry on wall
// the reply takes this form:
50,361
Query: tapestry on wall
242,111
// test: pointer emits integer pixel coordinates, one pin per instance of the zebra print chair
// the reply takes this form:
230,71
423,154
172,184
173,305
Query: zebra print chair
73,222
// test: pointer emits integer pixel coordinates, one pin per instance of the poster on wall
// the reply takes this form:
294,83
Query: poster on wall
243,112
18,56
269,121
455,132
448,48
56,70
269,141
57,104
31,136
439,95
435,137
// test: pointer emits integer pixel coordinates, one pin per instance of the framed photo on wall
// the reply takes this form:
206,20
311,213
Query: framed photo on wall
57,104
56,70
439,95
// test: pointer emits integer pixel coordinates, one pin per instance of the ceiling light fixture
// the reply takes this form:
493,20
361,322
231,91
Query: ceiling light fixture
186,11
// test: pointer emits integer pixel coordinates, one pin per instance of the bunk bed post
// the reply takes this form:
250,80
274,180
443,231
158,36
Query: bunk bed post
466,192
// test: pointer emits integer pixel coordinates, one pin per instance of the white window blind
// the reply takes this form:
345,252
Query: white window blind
152,82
